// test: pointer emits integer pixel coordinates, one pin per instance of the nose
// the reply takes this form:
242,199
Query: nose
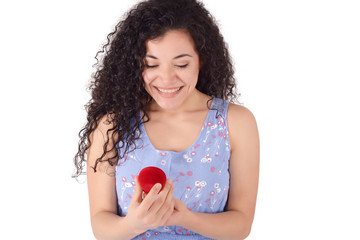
167,73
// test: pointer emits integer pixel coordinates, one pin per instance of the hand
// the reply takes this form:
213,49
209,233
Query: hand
180,214
154,210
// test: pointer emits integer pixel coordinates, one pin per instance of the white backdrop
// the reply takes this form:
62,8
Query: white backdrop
298,69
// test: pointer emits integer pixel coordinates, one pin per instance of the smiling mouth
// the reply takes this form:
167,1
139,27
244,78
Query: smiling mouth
168,90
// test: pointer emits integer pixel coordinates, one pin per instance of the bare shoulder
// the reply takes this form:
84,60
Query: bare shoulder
240,113
242,124
240,116
101,131
105,123
101,136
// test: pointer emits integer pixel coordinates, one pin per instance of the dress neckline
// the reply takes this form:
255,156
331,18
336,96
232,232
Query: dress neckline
143,131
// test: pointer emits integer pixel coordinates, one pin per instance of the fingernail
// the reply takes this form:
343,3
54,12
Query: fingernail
158,186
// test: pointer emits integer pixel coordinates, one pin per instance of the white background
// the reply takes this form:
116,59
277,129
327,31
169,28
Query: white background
298,68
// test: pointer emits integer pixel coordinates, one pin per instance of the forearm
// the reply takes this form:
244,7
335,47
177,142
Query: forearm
225,225
109,226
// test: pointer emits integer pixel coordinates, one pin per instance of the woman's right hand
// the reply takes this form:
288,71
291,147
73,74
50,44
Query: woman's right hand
154,210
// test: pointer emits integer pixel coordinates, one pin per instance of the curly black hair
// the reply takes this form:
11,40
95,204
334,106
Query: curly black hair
117,85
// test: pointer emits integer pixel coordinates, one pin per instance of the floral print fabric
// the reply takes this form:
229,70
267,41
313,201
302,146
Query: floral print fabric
200,173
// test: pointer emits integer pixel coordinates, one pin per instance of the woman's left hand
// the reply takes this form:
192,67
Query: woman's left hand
179,214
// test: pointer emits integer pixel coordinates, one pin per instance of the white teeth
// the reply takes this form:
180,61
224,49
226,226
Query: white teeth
169,91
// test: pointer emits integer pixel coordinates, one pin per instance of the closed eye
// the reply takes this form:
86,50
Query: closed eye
151,66
182,66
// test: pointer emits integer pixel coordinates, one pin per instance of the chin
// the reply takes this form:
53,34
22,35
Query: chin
169,105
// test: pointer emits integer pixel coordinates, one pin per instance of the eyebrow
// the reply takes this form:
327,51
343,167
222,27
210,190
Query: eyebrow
177,57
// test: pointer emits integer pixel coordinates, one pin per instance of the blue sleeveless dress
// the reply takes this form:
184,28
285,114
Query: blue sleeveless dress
200,173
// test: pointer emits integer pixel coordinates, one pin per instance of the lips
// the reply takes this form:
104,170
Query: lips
168,92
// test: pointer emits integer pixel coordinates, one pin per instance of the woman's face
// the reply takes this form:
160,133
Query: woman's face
172,69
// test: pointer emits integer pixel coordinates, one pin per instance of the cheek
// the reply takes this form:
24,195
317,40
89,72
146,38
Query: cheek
192,77
148,77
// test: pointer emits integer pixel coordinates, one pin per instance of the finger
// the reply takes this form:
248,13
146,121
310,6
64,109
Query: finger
143,195
169,198
164,195
167,214
136,198
168,207
177,203
150,197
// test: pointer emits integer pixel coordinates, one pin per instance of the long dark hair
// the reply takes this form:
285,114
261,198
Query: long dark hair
117,85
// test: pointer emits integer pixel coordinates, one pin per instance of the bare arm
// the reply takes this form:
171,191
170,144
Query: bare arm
236,222
105,222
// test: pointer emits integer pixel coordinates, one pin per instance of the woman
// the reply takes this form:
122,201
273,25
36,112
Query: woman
161,97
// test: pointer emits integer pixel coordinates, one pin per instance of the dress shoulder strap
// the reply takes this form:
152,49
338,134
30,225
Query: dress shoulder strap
221,107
